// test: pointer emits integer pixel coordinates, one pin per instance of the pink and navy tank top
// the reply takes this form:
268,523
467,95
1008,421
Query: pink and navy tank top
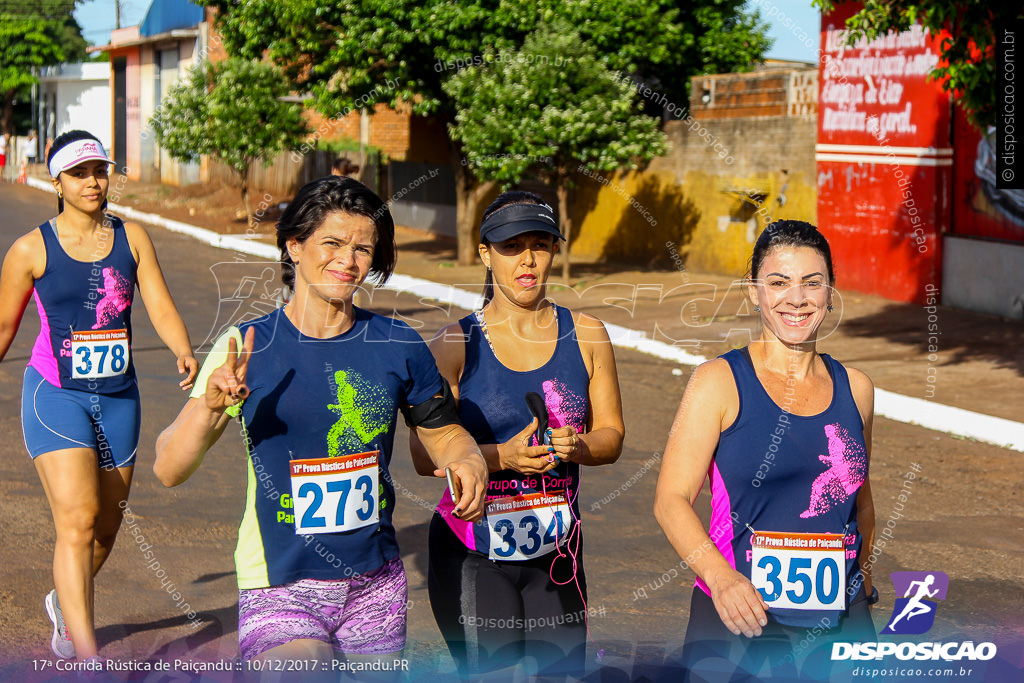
775,471
493,409
85,331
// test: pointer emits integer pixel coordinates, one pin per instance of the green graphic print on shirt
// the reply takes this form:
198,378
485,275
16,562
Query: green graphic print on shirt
363,415
363,411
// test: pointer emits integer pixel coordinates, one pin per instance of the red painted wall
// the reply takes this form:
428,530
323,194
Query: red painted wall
884,160
979,209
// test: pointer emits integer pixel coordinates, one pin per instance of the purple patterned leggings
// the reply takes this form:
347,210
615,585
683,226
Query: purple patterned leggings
364,615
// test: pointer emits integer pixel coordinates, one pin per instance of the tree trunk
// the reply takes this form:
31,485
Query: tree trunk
7,122
243,176
565,219
469,192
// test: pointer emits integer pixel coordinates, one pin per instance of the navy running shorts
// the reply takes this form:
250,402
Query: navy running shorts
54,419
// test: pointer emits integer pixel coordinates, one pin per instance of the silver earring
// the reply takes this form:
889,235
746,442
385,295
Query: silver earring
757,309
829,308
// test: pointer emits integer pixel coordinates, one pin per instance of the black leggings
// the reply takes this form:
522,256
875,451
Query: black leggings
494,613
712,653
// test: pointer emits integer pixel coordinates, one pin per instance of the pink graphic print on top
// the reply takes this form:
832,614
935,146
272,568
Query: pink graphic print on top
564,407
116,292
848,465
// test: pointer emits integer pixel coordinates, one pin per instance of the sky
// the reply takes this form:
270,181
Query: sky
96,17
793,24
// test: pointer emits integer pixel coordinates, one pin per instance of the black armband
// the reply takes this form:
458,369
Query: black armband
436,411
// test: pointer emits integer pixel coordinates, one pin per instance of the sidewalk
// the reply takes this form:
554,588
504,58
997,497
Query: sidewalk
929,356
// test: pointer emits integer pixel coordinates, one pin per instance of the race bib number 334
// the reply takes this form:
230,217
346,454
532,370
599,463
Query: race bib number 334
799,571
527,526
335,494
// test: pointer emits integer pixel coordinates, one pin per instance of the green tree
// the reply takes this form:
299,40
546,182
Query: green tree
967,68
350,55
33,35
548,110
232,111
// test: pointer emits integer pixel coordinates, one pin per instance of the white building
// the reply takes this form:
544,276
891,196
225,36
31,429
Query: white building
74,96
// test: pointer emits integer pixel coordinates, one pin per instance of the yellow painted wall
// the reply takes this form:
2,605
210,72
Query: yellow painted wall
711,219
629,216
735,209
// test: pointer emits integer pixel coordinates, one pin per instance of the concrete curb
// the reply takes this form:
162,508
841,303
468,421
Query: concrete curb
968,424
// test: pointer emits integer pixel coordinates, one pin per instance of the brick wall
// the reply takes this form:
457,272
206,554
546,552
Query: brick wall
755,145
757,94
389,130
396,133
214,42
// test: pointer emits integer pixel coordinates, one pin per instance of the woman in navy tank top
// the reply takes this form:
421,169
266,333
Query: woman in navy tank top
783,434
80,402
513,586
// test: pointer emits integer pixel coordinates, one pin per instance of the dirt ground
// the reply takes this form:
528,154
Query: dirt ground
208,205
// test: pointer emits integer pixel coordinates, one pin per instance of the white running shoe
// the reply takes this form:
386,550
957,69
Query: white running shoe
60,643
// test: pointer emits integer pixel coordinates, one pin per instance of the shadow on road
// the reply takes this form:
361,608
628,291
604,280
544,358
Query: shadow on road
207,578
966,335
413,541
216,623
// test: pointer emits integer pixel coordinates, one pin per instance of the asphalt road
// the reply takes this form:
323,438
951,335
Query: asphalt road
963,513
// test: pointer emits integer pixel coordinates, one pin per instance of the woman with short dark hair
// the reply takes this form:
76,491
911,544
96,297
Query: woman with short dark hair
317,385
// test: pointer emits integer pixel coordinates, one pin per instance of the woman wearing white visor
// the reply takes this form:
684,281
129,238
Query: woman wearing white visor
80,401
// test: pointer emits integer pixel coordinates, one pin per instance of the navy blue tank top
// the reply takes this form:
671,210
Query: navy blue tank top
775,471
493,409
85,314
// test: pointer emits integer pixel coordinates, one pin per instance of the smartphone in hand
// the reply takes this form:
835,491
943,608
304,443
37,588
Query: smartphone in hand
454,488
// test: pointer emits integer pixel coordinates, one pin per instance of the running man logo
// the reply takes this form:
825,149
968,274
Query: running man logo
914,613
247,290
